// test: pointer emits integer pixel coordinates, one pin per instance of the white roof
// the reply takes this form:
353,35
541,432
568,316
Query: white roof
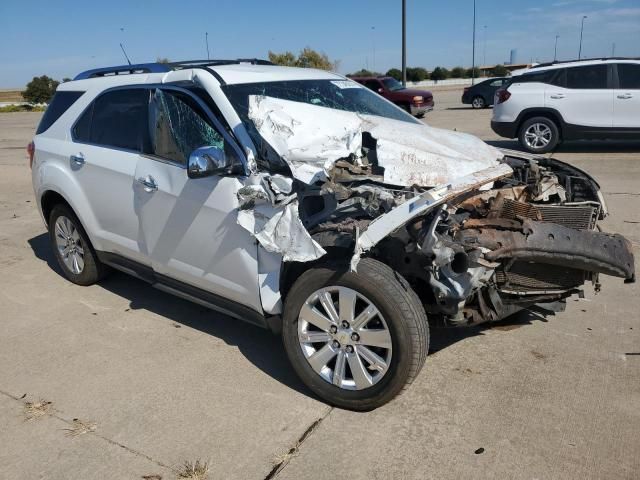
247,73
577,63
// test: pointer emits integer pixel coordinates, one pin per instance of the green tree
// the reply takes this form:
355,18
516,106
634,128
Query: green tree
499,71
469,72
439,73
417,74
40,89
162,60
395,73
307,58
363,72
457,72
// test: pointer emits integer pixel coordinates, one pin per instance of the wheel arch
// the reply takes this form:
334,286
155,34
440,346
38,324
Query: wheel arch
548,113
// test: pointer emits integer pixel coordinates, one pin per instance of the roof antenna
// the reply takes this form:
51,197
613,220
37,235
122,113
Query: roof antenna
125,54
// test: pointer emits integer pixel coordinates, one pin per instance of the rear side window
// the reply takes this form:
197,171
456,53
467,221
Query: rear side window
116,119
60,103
590,76
629,75
541,77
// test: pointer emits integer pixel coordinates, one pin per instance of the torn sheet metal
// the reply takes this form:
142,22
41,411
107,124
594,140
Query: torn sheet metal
309,138
385,224
312,138
269,212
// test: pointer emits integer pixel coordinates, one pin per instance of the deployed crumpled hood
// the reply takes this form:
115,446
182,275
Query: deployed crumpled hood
312,138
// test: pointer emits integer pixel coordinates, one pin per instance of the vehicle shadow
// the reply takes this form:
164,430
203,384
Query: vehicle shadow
579,146
261,347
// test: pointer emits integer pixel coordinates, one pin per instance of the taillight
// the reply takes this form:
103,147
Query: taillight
31,150
502,95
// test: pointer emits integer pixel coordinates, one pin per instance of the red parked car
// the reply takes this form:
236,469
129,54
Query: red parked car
416,102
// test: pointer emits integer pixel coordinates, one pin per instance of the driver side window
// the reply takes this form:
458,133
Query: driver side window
178,126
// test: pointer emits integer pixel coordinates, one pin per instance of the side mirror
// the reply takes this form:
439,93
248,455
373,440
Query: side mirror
207,161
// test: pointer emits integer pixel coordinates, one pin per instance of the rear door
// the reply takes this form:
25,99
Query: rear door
107,141
626,101
583,95
188,227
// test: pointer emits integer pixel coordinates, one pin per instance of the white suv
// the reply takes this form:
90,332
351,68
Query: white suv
299,201
588,99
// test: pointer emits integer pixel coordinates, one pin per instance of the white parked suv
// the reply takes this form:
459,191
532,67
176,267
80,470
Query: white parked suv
302,202
587,99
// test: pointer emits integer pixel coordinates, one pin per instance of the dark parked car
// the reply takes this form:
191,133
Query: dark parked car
481,94
416,102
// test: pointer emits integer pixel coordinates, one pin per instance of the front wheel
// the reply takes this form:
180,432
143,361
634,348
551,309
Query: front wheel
355,339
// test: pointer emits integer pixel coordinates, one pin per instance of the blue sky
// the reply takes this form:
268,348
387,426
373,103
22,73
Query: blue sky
61,38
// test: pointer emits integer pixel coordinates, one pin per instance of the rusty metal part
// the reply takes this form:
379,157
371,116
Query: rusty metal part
549,243
579,216
536,277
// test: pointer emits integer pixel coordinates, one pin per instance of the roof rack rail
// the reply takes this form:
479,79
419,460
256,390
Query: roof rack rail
560,62
217,62
124,69
164,67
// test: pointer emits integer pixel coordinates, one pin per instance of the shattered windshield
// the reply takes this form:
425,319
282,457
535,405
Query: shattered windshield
343,95
392,84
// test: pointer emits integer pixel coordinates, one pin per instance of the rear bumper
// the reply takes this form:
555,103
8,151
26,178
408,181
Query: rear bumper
505,129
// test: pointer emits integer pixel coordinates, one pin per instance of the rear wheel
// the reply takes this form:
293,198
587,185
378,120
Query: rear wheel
539,135
355,339
72,247
478,102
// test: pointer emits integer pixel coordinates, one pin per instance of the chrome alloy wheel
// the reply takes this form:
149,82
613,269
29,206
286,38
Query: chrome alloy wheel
537,136
69,244
344,337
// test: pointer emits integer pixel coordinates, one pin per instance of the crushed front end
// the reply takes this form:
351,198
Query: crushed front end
479,249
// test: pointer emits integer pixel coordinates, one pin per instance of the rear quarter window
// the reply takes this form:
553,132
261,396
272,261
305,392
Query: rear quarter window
60,103
629,76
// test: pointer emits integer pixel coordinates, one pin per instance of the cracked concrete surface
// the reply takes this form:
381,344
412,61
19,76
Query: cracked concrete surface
167,381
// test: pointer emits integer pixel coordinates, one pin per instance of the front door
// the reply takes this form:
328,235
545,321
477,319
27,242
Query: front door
188,226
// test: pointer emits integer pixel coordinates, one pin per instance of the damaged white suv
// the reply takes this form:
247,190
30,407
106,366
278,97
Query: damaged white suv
298,200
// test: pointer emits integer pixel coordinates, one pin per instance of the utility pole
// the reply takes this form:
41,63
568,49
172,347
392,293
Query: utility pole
404,43
581,30
613,49
473,55
206,39
555,49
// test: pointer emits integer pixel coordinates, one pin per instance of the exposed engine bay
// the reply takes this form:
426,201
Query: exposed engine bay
510,232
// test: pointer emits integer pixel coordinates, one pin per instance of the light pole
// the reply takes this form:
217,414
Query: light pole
373,31
581,30
206,39
484,48
404,43
555,49
473,55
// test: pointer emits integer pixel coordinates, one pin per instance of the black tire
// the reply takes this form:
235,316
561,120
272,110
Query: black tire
478,102
544,123
404,316
93,270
